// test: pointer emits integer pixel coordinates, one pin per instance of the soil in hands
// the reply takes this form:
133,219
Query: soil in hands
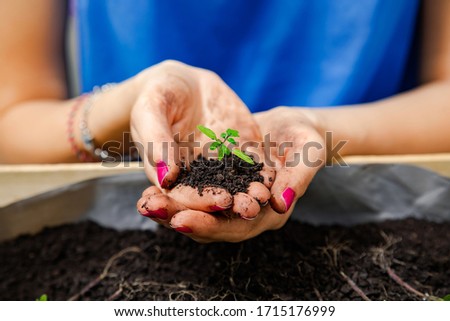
230,173
297,262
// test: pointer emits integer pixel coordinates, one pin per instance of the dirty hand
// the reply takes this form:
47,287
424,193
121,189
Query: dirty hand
174,99
292,128
297,154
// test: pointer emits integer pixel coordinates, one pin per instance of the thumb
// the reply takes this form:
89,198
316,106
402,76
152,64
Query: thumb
294,172
154,139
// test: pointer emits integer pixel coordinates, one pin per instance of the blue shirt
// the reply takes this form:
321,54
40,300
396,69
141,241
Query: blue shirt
271,52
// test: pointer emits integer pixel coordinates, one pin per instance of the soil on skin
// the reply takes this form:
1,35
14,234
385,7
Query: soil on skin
298,262
231,173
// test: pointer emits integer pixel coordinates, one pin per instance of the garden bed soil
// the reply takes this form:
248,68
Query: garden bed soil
298,262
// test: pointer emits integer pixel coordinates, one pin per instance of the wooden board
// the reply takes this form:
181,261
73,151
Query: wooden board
21,181
439,163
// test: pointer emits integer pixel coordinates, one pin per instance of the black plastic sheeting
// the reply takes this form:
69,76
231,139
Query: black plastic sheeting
373,193
338,195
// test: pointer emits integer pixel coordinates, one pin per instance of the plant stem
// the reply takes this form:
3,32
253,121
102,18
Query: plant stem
225,139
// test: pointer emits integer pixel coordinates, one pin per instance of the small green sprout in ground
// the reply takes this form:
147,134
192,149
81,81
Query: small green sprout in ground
219,144
446,298
43,297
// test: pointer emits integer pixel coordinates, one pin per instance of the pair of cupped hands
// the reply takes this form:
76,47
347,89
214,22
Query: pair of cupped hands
174,99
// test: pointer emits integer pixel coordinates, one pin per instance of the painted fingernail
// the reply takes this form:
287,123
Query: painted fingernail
183,229
159,213
161,170
288,197
216,208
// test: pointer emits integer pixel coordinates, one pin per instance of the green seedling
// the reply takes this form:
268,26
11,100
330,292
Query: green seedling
43,297
219,144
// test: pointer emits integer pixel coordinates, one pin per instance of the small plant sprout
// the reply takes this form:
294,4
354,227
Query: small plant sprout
219,144
43,297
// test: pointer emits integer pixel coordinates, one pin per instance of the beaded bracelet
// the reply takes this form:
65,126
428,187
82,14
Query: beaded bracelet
86,136
91,152
81,155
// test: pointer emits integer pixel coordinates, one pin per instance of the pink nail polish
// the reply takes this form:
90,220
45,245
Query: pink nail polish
183,229
160,213
216,208
161,170
288,197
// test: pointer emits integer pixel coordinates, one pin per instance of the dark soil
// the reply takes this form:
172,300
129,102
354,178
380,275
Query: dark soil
231,173
298,262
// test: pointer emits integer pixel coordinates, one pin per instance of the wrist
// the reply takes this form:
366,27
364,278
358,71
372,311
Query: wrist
101,117
73,129
109,118
340,126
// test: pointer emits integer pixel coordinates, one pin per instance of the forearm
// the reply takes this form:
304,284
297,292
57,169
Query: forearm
35,131
417,121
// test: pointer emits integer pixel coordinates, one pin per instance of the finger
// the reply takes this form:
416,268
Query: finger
294,175
152,190
268,174
245,206
158,206
285,191
259,192
205,228
213,199
152,128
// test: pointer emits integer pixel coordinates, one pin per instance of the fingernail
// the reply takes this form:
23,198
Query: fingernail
288,197
248,218
162,170
159,213
183,229
216,208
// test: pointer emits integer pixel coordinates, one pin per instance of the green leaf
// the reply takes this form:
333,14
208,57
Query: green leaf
232,141
214,145
225,149
208,132
221,153
43,297
243,156
232,132
223,135
446,298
